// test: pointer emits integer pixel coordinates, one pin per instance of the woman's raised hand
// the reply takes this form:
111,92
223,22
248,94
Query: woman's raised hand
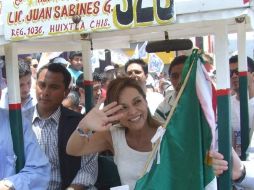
101,119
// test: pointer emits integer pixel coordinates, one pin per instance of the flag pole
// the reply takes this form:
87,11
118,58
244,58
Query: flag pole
223,100
243,87
15,117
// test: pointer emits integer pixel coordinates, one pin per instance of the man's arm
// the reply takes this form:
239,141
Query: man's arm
242,172
248,181
87,174
36,172
164,108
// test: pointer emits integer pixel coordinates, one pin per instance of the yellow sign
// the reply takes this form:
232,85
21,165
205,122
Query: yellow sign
25,19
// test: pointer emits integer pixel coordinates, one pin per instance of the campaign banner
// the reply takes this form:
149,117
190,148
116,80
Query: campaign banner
28,19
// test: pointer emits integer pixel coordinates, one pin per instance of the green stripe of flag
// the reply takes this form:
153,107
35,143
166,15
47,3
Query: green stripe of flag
184,147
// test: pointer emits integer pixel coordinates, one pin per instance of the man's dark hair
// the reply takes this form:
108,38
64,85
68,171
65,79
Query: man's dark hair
97,76
80,81
57,68
140,62
250,62
75,53
24,68
177,61
150,86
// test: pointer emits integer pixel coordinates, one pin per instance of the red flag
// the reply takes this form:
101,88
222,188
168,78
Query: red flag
246,1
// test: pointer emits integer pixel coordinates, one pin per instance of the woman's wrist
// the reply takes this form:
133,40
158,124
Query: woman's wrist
83,132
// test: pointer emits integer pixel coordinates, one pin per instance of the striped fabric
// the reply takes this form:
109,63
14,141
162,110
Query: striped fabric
46,133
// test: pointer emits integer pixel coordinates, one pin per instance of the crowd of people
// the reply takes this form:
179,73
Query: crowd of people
62,140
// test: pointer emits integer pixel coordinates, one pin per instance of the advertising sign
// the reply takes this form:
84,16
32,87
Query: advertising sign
27,19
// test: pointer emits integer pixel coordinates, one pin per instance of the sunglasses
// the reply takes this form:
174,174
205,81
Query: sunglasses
233,71
35,66
136,72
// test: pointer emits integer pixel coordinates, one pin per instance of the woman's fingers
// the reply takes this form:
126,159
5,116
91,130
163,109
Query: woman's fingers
101,119
115,117
113,110
109,106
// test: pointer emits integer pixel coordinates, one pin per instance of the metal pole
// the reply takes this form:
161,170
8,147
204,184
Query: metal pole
88,78
223,99
15,117
243,87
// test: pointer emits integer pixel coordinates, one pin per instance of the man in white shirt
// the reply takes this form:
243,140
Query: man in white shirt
138,69
175,72
53,124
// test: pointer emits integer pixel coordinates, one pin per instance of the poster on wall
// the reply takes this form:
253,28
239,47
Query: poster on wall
28,19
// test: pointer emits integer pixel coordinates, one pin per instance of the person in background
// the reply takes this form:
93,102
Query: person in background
174,72
149,88
27,96
28,99
96,88
110,72
33,67
36,172
60,60
235,100
165,86
2,79
75,67
53,124
72,101
108,75
138,70
96,91
129,139
209,65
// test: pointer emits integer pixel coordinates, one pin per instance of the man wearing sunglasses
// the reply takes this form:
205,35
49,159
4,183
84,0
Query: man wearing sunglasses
138,69
243,171
175,73
235,103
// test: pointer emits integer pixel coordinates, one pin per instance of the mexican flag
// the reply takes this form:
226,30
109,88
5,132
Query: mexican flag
182,161
246,1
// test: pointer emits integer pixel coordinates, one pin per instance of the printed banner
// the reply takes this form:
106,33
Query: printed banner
26,19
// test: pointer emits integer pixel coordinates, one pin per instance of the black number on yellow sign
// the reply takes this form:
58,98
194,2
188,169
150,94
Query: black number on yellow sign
165,13
131,12
144,14
125,17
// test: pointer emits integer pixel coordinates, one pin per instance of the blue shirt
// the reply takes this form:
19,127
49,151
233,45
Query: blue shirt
74,74
36,172
30,102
